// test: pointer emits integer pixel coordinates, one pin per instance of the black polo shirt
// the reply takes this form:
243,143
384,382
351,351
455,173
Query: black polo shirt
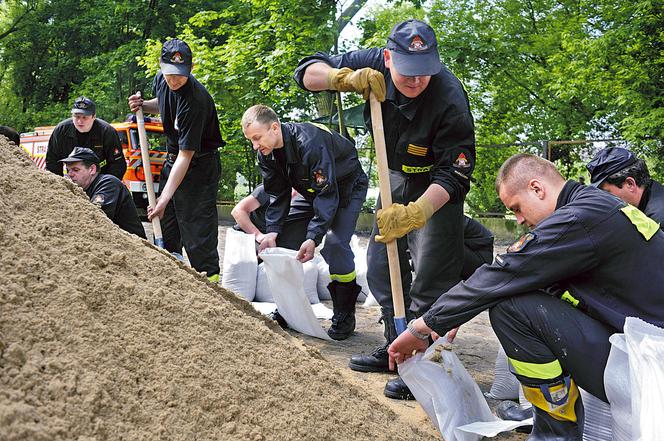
189,116
108,192
101,139
432,135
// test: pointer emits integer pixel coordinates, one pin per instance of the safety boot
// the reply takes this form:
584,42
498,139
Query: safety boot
511,411
557,411
344,297
397,389
378,360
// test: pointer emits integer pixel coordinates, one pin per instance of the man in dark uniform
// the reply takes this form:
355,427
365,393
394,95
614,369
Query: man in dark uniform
323,167
190,176
621,173
250,212
559,292
84,129
430,141
105,191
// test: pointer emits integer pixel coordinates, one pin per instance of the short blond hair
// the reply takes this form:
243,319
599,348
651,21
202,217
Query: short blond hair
518,170
261,114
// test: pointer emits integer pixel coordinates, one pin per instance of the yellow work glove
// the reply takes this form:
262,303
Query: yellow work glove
398,220
363,81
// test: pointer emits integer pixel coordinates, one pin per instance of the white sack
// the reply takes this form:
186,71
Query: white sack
286,277
505,385
446,391
240,264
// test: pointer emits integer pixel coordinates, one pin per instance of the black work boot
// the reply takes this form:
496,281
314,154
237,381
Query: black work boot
511,411
548,428
564,420
344,296
378,360
397,390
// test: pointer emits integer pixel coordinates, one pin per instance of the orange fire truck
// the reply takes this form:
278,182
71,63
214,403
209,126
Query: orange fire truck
36,143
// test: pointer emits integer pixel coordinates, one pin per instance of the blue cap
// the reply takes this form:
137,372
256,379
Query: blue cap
607,162
414,49
176,58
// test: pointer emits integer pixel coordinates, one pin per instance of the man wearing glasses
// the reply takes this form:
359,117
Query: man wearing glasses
84,129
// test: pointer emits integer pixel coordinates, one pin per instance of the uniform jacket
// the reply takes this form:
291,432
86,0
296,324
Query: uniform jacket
108,192
319,164
101,139
592,246
652,202
431,134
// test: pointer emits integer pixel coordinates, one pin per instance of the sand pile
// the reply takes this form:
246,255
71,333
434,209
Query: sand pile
102,336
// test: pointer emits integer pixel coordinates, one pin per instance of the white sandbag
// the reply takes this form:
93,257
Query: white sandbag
263,288
505,385
240,264
645,349
264,308
370,301
617,386
360,260
523,401
310,282
286,277
596,418
446,391
323,279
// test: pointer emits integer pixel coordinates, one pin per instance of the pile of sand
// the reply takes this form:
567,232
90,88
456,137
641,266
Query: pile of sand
103,336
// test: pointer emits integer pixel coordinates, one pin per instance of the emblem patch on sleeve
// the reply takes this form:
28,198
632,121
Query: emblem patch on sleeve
319,178
521,243
98,200
461,161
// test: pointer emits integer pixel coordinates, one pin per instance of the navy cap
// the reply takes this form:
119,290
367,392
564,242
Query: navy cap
81,154
176,58
84,106
414,49
607,162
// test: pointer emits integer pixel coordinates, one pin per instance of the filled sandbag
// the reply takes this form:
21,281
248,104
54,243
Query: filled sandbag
310,281
240,264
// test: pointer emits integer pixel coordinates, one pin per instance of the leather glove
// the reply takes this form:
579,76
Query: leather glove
363,81
398,220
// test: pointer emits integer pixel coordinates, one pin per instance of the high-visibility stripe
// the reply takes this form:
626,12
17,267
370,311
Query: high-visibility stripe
646,226
569,298
540,371
311,190
413,169
343,277
214,278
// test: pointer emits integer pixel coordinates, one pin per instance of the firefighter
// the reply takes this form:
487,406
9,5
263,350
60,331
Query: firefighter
84,129
105,191
11,134
322,166
621,173
249,214
430,140
559,292
190,176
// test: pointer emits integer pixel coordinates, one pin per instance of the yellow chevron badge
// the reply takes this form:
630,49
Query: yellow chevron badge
417,150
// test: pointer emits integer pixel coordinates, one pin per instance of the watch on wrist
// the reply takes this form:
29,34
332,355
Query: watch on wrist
415,333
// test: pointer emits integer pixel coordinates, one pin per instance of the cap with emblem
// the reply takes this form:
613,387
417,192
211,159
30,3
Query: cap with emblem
175,58
81,154
414,49
84,106
608,162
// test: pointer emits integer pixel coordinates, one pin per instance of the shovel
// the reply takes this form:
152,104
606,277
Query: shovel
386,200
145,157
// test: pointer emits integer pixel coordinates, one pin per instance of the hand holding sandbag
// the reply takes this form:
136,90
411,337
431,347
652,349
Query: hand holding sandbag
363,81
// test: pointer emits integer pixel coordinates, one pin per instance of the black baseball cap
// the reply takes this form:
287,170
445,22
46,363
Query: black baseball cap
414,49
608,162
85,106
175,58
81,154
